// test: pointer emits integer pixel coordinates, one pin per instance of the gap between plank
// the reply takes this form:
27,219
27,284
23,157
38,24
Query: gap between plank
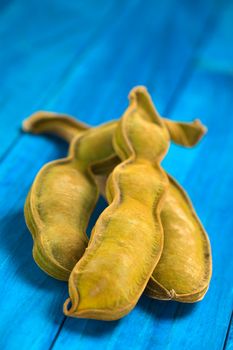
228,333
11,146
57,334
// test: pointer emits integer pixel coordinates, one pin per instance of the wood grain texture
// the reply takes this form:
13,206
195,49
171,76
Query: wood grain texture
89,73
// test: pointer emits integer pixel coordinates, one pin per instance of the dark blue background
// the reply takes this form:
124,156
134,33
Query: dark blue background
82,58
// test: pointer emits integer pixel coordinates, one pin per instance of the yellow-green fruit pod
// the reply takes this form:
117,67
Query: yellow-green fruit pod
127,239
61,200
60,192
184,269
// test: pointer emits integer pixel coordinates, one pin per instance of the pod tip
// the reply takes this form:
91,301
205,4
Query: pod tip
203,128
26,125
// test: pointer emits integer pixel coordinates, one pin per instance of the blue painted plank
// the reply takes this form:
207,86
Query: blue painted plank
30,301
219,58
155,53
44,47
13,192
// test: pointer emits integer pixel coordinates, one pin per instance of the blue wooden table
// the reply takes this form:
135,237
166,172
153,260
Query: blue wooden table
82,58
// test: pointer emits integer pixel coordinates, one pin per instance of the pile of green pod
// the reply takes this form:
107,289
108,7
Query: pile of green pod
148,239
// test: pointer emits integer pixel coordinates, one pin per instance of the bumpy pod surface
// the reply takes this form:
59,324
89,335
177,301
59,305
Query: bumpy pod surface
59,191
60,202
127,239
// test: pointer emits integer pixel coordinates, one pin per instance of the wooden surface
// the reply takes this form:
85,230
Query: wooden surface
83,57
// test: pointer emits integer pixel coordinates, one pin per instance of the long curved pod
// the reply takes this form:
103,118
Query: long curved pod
59,232
185,267
127,240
